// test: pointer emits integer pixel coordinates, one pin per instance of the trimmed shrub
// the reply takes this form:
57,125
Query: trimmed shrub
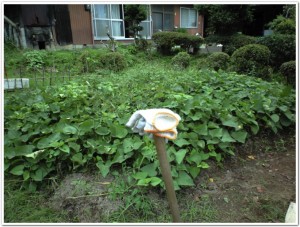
181,60
282,47
166,40
113,61
218,60
232,42
288,70
252,59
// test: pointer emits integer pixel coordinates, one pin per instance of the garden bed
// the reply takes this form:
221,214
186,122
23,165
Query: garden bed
72,135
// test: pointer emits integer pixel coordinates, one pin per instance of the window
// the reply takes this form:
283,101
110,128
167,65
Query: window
146,24
188,18
163,17
108,19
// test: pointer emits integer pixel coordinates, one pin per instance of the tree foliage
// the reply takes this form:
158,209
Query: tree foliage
134,15
286,23
226,19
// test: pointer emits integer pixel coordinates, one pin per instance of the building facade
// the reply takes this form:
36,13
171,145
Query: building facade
89,24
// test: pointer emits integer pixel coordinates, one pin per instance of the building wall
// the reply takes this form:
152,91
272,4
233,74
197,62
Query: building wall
81,24
191,31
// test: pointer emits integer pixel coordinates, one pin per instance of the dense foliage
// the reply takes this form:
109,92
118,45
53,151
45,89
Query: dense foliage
134,14
282,47
252,59
166,40
226,19
82,124
285,23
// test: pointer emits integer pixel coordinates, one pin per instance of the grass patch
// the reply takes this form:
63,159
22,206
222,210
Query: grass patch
23,207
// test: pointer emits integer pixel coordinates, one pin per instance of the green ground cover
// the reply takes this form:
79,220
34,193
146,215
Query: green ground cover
79,125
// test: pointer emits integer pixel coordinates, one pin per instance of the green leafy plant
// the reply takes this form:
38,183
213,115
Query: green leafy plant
34,59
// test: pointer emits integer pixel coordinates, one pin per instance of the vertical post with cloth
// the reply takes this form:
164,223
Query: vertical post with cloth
159,124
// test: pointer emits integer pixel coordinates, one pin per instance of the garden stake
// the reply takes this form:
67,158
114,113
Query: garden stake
167,177
161,123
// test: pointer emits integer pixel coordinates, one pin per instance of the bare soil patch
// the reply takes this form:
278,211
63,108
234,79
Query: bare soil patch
255,185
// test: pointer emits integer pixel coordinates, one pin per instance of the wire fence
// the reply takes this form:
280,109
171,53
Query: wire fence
19,77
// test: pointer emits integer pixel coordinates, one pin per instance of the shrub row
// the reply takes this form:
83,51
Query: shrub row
166,40
282,47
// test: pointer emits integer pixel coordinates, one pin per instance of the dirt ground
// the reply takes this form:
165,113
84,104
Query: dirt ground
255,185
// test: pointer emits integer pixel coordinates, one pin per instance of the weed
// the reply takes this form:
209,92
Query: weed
82,187
280,145
269,210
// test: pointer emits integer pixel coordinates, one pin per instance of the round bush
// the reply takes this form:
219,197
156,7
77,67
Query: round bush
181,60
288,70
252,59
282,47
218,60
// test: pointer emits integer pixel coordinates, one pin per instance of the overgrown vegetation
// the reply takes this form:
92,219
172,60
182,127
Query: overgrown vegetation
75,126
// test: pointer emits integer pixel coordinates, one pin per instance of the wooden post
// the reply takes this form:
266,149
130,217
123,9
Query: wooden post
167,177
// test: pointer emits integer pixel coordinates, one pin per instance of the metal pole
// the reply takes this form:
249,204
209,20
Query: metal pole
167,177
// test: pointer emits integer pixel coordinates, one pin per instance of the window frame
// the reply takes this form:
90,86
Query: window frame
189,9
110,21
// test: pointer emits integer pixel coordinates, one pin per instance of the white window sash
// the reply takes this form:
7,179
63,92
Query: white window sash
115,29
191,17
